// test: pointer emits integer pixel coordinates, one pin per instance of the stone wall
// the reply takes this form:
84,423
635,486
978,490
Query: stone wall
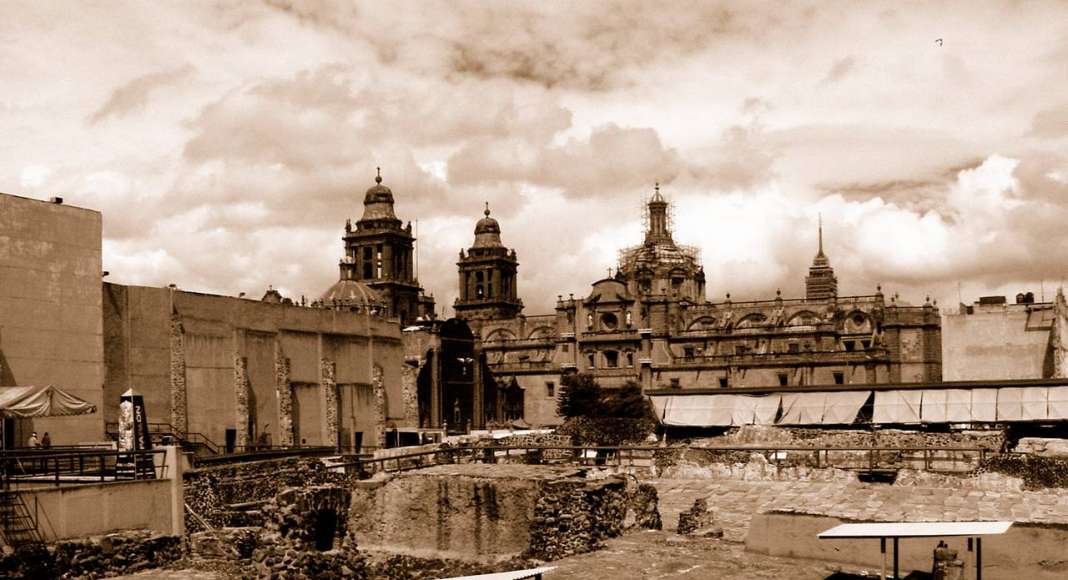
213,492
478,510
768,435
94,557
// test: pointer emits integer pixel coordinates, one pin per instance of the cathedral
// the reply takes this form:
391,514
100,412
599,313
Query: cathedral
651,323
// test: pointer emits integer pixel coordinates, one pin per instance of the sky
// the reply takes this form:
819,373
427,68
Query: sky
227,142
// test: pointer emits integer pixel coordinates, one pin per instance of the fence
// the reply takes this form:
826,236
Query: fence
84,465
943,459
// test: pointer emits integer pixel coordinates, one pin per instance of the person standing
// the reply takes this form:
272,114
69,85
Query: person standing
33,442
46,441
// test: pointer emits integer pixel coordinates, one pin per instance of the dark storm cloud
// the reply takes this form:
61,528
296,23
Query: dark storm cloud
134,95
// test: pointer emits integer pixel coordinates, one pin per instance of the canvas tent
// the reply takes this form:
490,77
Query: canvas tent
46,401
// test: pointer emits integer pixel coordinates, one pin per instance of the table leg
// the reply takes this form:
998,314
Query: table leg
882,548
896,576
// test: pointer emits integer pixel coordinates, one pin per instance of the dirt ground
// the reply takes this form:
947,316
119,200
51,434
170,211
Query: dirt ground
646,554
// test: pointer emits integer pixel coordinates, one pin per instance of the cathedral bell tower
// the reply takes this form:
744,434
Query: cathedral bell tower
378,253
488,276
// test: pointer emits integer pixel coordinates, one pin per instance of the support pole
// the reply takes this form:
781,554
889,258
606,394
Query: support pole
896,577
882,549
978,558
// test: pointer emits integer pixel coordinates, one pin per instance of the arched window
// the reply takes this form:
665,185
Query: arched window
479,290
611,359
630,358
591,359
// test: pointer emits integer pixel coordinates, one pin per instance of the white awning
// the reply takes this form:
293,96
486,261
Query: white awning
984,405
1033,403
767,408
897,406
659,406
717,410
1010,407
516,575
744,410
933,406
699,411
915,530
842,407
1057,402
803,408
958,406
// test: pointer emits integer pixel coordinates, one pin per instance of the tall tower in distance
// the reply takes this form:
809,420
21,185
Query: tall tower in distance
378,252
488,288
821,284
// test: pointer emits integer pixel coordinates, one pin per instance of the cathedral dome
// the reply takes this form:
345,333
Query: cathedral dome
378,201
378,193
350,293
487,231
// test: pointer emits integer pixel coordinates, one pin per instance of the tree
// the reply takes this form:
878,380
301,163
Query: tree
626,402
580,396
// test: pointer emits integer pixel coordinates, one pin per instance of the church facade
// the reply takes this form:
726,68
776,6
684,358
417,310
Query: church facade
651,323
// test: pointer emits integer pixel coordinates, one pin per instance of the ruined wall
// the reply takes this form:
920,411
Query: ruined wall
51,309
94,557
503,510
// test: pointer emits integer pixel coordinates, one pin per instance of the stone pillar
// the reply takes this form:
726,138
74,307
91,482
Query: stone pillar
378,388
478,415
1058,336
410,391
179,406
284,395
328,384
241,391
435,389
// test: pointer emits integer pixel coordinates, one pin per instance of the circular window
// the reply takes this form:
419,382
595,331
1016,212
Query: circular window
609,321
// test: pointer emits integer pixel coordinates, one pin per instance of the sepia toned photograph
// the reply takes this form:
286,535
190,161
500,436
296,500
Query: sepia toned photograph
519,289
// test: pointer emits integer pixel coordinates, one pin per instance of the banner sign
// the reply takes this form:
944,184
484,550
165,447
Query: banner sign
133,423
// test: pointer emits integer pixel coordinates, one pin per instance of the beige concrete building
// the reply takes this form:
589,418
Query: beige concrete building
51,328
237,371
993,339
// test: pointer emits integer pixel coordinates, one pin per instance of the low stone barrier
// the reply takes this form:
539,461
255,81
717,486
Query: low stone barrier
94,557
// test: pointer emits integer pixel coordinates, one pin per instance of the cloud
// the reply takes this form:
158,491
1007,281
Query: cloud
134,95
840,69
1051,123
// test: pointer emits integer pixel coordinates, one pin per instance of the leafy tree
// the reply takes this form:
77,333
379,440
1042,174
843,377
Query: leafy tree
626,402
580,396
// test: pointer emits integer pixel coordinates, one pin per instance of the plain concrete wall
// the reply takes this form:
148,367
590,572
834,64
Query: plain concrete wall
996,342
50,308
86,510
1026,551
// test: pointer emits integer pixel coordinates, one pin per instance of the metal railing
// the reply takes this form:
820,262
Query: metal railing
78,465
938,459
160,431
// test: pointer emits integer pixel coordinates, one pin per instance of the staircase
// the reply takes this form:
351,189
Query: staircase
17,525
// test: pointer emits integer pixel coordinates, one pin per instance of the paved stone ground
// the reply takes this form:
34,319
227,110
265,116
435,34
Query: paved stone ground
660,554
735,502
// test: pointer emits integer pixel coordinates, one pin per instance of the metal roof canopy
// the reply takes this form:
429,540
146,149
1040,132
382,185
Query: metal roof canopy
514,575
898,530
915,530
